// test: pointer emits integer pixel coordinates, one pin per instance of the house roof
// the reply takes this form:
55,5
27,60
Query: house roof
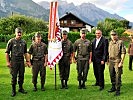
69,13
129,31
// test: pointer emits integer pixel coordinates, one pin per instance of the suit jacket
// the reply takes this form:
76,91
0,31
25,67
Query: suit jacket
100,52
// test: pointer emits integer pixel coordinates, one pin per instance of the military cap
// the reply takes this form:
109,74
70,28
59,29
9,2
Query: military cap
83,30
113,33
18,30
65,32
37,34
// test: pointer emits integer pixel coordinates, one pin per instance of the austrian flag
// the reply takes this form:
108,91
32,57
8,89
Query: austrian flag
54,36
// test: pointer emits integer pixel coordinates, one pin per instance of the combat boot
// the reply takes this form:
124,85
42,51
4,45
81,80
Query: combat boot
113,89
21,89
83,85
62,84
13,90
117,93
79,87
35,88
42,87
66,86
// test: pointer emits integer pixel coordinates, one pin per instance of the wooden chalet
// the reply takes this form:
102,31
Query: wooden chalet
71,22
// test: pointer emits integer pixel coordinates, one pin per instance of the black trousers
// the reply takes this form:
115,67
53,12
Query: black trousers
130,62
99,73
17,69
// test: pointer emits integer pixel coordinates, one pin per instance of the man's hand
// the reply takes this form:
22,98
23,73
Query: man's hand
74,60
9,64
28,64
45,64
120,64
89,61
102,62
70,61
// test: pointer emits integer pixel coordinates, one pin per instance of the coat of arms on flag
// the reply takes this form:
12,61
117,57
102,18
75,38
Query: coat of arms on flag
54,36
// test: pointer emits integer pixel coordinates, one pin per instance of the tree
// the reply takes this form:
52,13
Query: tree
28,24
112,24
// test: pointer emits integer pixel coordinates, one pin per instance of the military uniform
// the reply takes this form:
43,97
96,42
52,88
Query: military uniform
83,48
38,52
17,48
116,49
64,63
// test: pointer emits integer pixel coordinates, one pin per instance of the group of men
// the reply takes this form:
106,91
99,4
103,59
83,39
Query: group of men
82,52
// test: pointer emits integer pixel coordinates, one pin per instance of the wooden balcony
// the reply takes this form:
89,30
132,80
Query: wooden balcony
71,25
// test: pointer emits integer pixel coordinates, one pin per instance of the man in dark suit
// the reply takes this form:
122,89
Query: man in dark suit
99,57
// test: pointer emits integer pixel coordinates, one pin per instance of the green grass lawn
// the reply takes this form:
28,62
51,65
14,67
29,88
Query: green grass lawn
73,93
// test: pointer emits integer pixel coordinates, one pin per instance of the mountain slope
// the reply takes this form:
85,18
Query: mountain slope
86,11
26,7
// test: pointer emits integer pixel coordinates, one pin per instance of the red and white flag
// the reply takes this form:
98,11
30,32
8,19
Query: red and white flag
54,36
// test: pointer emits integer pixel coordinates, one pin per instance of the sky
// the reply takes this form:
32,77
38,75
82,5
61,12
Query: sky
123,8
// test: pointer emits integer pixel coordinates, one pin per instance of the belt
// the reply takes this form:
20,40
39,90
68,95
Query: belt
37,59
112,58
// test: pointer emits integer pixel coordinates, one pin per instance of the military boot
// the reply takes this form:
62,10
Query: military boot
83,85
62,84
42,87
113,89
79,87
117,93
21,89
35,88
13,90
66,86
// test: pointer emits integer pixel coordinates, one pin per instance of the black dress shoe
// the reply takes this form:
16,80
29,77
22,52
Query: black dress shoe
79,87
22,91
96,84
66,87
42,89
83,86
101,88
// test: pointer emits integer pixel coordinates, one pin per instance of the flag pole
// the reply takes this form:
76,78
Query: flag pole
55,78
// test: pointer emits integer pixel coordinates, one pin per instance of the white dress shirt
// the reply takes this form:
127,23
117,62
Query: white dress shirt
97,41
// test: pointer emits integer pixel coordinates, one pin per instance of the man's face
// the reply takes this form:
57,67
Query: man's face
38,38
98,33
114,37
18,34
64,36
82,35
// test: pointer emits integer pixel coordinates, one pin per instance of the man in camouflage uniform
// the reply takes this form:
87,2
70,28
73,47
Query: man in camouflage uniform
117,53
39,52
18,49
66,60
83,58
